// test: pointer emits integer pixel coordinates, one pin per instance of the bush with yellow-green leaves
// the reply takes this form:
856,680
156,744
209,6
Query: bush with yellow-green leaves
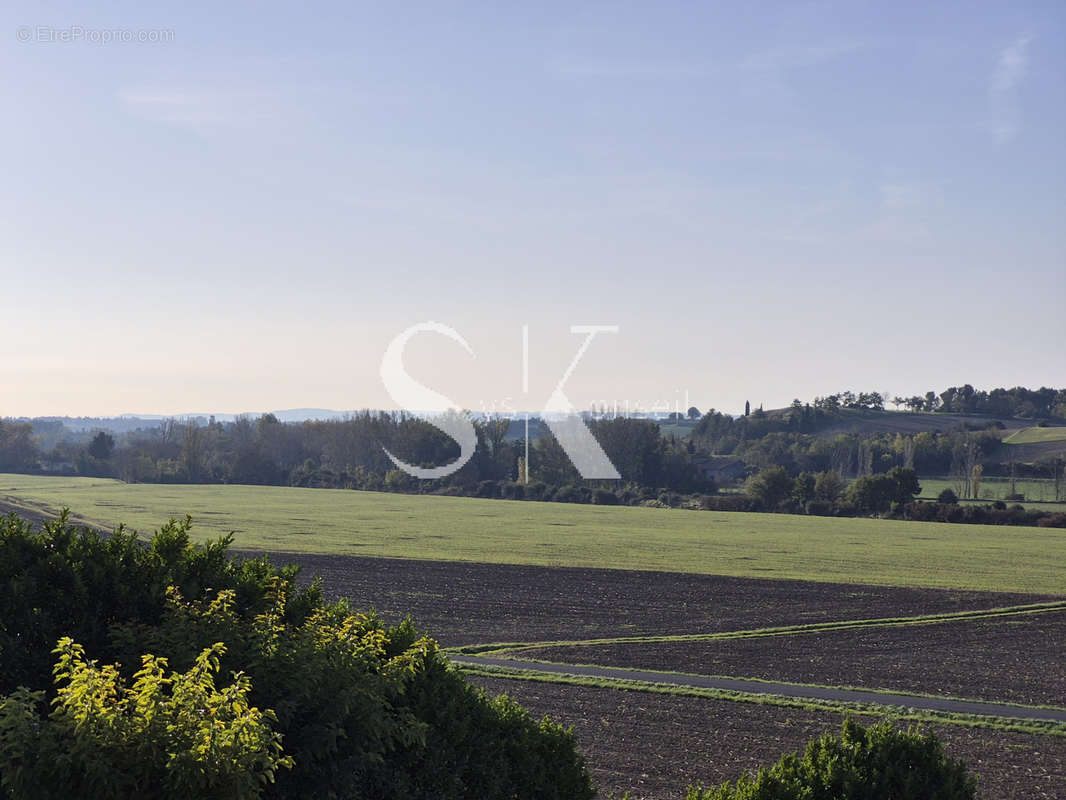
321,701
166,735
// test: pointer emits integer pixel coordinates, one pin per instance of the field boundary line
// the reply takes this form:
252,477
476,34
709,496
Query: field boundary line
500,648
533,663
975,713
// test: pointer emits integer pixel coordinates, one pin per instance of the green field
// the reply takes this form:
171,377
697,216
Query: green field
1036,490
1037,436
281,519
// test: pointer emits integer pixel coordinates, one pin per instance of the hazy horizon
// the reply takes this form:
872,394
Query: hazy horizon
241,206
314,412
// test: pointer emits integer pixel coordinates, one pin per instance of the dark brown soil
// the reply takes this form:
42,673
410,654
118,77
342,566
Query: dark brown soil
1019,659
467,603
655,745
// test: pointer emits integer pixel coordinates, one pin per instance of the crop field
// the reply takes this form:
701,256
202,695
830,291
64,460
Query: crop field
1035,490
326,521
1013,658
1037,435
465,603
652,744
865,421
930,609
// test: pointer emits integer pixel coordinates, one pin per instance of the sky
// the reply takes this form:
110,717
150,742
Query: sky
233,207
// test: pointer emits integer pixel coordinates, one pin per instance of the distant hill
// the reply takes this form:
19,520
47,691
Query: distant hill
1037,435
125,423
303,414
868,422
1033,444
1022,441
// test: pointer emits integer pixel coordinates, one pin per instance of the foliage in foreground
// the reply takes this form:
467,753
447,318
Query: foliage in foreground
361,709
164,736
875,763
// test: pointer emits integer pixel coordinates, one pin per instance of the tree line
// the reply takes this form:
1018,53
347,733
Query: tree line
656,467
1037,404
351,453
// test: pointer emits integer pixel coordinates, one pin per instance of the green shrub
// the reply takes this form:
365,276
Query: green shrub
173,736
1052,521
876,493
803,490
828,486
537,490
365,710
769,487
477,747
604,497
876,763
64,581
947,497
396,480
819,508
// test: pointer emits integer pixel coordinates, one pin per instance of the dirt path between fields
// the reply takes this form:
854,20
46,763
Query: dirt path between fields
784,689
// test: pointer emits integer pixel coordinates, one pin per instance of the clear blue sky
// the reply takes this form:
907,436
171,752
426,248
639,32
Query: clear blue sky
769,200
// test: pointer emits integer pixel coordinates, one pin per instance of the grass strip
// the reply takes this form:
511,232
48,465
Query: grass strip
844,687
1037,727
500,648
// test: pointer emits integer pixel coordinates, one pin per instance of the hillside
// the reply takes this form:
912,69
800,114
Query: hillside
1022,442
863,422
1027,451
1037,435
